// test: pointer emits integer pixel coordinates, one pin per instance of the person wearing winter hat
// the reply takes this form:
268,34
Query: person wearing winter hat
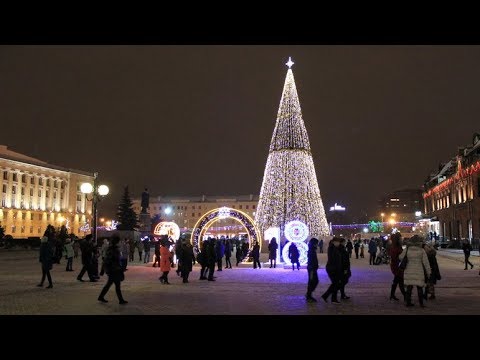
417,269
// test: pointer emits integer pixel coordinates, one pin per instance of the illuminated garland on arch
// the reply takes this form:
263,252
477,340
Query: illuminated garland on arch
290,188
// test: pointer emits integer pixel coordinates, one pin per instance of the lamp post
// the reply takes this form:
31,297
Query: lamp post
97,191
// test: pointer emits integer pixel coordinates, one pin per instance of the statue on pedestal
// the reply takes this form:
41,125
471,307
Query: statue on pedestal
145,201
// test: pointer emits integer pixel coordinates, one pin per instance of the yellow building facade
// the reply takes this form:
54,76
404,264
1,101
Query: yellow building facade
35,194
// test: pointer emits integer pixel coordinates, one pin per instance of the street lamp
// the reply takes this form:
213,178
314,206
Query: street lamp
382,215
97,191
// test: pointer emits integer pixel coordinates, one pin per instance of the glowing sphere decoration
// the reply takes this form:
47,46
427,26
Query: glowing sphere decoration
302,250
296,231
167,228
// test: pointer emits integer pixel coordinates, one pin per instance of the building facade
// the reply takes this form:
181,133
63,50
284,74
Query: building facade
185,211
36,194
452,195
401,205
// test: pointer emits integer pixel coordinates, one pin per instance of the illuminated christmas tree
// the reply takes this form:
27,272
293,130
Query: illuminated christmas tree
290,189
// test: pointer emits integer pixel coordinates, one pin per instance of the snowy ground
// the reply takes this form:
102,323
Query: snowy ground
237,291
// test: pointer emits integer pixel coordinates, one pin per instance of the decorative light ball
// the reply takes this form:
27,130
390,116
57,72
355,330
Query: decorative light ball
302,250
86,188
296,231
103,190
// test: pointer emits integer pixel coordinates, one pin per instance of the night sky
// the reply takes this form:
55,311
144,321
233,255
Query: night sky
192,120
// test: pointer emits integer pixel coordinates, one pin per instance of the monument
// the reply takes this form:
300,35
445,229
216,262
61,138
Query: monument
144,217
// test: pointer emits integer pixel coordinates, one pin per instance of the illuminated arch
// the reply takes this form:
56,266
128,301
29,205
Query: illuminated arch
212,216
167,228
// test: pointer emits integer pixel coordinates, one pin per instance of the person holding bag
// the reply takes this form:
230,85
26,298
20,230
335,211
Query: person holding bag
414,271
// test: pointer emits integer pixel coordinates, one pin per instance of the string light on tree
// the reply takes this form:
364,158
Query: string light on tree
290,189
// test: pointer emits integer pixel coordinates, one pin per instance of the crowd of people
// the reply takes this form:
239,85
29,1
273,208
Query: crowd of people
413,265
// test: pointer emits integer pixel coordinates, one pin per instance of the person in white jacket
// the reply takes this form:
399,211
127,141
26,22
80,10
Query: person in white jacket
417,269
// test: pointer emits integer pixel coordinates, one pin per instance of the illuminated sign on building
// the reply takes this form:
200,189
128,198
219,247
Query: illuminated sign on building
337,208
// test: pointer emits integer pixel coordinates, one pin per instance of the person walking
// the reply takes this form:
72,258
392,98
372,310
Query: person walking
356,248
417,269
68,253
334,270
114,270
320,246
186,259
372,250
46,259
146,250
394,251
432,280
165,262
312,267
346,272
228,253
272,252
87,249
467,248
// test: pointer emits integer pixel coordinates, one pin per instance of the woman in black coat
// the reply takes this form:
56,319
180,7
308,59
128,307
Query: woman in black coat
272,252
186,259
46,259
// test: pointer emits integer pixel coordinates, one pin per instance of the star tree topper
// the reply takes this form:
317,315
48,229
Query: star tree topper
290,62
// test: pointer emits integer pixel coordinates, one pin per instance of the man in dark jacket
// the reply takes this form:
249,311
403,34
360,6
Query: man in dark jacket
312,268
346,272
46,260
334,270
87,248
114,270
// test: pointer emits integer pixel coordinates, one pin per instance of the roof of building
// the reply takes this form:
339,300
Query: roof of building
8,154
203,198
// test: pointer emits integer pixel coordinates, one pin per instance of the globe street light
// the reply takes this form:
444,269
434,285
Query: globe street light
97,191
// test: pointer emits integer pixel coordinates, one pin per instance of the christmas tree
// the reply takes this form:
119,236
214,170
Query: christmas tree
290,189
127,219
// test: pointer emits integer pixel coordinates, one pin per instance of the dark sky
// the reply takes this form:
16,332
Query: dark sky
191,120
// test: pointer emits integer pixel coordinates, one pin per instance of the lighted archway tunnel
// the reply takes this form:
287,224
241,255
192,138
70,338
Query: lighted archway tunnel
212,216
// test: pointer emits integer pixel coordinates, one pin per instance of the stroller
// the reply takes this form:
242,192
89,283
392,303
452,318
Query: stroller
382,257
